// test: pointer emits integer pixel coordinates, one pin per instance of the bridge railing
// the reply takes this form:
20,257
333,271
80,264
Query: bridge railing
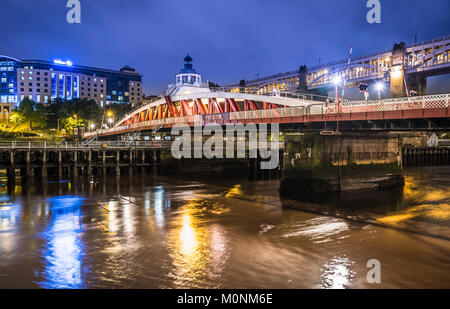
19,145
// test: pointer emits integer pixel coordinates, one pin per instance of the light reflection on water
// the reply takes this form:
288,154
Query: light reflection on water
198,252
64,248
168,233
188,250
336,274
321,229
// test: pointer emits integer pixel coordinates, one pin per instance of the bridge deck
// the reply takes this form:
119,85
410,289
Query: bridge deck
424,107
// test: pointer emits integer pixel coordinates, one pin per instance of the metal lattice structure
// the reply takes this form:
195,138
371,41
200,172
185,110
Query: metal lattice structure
228,108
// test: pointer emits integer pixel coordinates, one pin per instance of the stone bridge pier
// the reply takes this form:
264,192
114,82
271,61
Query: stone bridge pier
344,162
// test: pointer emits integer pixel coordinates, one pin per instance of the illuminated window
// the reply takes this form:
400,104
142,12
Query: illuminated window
62,86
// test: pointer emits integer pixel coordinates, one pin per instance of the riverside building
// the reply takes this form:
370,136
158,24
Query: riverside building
44,81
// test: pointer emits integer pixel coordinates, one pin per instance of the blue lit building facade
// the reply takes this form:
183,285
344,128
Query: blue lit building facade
44,81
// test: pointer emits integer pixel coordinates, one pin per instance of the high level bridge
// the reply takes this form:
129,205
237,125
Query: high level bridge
416,62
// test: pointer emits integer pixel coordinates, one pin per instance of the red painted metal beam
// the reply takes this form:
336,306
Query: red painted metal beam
200,108
218,106
170,107
250,105
185,109
233,105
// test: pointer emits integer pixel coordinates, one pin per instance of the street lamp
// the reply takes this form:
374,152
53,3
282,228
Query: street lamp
336,82
110,116
92,126
379,86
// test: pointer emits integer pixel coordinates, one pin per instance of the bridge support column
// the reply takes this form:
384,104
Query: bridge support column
44,165
29,172
130,169
89,168
75,164
59,165
418,83
302,75
315,163
117,163
397,84
12,169
143,161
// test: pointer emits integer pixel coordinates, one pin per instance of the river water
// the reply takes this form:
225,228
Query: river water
161,232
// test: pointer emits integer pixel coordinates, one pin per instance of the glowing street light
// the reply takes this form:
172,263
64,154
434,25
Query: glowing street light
396,72
379,86
336,82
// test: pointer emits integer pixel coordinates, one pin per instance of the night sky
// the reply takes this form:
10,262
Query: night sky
229,39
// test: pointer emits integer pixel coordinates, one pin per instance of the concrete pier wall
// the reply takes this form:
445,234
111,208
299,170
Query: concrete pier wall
315,163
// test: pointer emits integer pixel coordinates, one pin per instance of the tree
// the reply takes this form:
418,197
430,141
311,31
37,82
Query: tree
31,112
78,112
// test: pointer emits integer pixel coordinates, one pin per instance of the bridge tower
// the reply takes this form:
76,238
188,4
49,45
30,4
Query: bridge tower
187,81
302,74
400,82
397,73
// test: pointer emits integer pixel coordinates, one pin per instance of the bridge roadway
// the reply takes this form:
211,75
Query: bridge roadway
201,109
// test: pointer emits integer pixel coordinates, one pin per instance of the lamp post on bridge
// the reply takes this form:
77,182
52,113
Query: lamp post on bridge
379,87
336,82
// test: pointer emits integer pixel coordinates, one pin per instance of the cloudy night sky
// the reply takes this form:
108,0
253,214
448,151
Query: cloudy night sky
229,40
